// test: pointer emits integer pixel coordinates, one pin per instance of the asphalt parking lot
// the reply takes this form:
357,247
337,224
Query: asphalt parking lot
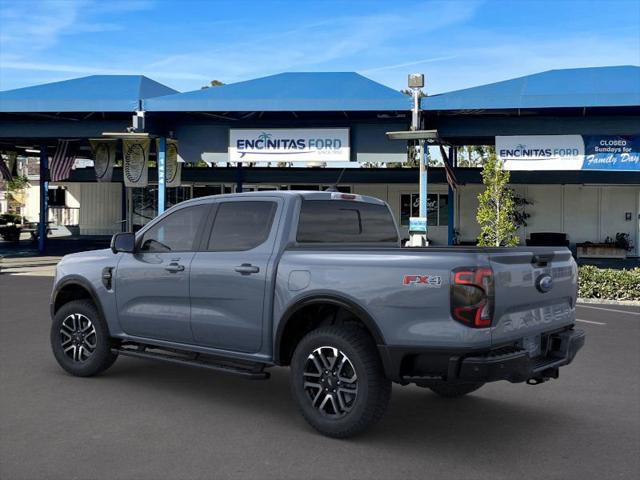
148,420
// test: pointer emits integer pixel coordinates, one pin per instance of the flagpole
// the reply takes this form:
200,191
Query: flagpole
44,199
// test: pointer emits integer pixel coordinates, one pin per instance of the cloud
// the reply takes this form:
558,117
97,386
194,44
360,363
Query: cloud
409,64
29,27
452,42
348,42
352,41
89,70
511,56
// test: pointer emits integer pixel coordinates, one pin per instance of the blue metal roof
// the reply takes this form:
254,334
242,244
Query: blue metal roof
96,93
298,92
577,87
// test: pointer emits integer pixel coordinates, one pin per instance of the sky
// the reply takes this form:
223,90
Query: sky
185,44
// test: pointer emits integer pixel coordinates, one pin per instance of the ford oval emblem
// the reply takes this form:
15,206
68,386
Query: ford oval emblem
544,283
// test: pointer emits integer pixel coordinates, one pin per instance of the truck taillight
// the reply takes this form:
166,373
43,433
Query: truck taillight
472,296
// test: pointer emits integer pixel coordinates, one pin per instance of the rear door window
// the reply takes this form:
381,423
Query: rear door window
241,225
343,221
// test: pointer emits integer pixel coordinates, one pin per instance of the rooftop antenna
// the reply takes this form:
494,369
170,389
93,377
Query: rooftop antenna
334,187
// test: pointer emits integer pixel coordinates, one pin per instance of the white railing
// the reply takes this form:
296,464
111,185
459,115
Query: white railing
64,215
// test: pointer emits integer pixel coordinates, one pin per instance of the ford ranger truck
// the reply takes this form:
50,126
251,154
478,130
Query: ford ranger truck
316,281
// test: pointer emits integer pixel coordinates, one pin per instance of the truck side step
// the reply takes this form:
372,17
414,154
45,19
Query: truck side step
252,371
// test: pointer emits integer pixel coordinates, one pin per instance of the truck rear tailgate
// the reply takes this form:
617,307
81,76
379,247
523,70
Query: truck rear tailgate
535,292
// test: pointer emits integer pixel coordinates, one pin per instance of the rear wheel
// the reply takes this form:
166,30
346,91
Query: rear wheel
454,389
338,382
80,339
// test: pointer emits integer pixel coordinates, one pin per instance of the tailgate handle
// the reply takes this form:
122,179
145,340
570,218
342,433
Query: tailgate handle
542,259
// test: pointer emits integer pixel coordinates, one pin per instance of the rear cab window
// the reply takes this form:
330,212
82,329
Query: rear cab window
344,221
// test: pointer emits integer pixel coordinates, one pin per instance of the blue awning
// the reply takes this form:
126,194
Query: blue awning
96,93
577,87
288,92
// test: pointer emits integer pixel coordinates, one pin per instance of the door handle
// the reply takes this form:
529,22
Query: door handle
247,269
174,268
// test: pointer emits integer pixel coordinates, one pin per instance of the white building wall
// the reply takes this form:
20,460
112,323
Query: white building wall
100,208
73,195
586,213
546,211
31,208
615,203
467,206
580,213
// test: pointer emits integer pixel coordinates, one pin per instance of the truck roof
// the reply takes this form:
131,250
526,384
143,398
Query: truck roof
306,194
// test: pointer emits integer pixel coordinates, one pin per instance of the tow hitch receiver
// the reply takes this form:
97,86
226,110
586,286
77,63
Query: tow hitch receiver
536,381
544,376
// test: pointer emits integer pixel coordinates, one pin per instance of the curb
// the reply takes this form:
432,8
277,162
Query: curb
602,301
7,266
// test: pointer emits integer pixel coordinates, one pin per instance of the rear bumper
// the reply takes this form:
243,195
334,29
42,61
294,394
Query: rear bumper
423,366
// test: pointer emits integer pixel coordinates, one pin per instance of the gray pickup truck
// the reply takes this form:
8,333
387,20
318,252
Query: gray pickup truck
316,281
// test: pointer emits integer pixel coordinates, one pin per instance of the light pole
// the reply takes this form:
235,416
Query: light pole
418,225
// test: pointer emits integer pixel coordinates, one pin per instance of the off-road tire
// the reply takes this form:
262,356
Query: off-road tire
454,390
101,358
374,390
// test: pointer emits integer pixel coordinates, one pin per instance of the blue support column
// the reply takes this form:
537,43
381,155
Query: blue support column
44,199
423,179
450,201
162,182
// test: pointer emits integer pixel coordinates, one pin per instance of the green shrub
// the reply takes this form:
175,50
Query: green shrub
608,284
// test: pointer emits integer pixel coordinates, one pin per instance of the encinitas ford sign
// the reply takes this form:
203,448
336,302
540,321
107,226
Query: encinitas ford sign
541,152
569,152
289,145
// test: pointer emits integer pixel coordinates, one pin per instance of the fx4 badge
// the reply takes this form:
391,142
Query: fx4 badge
428,281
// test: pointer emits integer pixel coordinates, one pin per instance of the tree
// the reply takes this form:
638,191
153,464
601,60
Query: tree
496,209
474,155
213,83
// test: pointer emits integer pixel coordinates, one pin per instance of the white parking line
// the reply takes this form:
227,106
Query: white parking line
608,309
590,321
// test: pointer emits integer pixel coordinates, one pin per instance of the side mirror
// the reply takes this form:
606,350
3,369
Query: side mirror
123,242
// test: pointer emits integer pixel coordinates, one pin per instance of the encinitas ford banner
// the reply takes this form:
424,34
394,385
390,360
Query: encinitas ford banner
569,152
611,152
541,152
289,145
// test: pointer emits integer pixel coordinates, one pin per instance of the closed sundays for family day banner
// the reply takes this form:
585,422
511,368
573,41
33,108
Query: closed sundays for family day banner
569,152
289,145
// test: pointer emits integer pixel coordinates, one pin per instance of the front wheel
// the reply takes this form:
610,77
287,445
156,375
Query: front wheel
80,339
454,390
338,381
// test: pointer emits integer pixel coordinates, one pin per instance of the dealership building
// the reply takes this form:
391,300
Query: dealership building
570,137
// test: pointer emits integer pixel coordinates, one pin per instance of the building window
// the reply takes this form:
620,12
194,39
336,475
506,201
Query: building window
144,206
340,188
57,197
304,187
206,190
437,211
176,195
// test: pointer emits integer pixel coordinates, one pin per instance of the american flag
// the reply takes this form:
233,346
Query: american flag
450,173
4,170
62,161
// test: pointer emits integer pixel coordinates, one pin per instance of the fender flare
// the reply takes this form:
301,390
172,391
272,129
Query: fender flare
331,299
80,282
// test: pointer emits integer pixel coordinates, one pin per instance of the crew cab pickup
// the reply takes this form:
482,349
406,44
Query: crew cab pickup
316,281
